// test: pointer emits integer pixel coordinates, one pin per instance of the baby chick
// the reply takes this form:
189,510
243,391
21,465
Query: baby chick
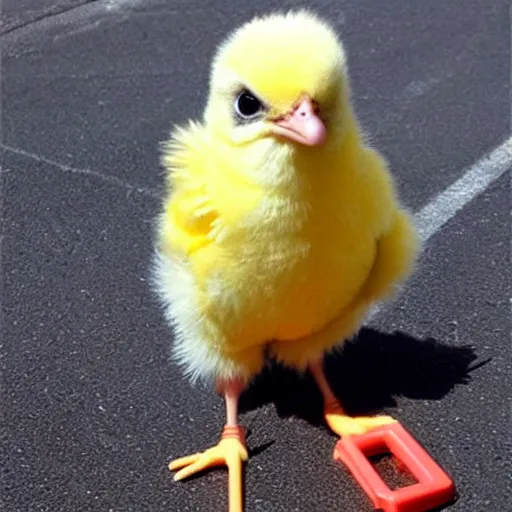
280,228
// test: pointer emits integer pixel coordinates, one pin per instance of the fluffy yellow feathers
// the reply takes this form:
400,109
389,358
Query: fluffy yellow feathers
280,57
280,228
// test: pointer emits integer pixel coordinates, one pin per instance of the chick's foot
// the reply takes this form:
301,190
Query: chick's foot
231,452
344,425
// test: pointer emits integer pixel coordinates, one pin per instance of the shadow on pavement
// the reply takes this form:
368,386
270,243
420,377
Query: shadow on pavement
371,371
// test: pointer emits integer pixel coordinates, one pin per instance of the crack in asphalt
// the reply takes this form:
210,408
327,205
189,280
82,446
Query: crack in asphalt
113,180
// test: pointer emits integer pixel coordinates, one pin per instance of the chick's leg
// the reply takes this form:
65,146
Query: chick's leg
230,451
335,417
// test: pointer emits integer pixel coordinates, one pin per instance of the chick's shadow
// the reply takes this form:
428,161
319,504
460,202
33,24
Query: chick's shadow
370,372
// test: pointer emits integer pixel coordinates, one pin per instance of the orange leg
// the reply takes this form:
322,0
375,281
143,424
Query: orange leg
335,417
230,451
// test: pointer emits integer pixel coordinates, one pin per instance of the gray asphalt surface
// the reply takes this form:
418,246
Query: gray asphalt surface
92,409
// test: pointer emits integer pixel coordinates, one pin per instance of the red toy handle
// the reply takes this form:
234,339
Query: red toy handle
434,487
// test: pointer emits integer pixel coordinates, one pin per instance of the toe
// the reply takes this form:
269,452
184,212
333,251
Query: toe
184,461
368,423
230,451
204,462
346,425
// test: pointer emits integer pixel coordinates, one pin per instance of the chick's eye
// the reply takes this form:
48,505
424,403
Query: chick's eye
248,105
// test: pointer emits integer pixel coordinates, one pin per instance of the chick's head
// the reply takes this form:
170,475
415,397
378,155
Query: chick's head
281,77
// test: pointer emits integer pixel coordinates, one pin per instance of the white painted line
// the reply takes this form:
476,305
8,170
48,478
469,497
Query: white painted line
117,5
437,212
431,218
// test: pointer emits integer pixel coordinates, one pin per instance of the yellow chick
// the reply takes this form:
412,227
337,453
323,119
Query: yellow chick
280,228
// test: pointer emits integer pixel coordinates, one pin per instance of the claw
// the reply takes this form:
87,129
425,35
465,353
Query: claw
230,451
344,425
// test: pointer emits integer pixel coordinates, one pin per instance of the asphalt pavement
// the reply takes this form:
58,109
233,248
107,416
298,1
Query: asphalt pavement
92,409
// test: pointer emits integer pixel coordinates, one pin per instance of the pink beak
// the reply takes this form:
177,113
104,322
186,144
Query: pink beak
302,125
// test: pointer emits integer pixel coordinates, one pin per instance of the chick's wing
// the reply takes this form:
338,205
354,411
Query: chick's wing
190,218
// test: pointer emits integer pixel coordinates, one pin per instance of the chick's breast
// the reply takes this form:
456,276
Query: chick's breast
264,263
284,270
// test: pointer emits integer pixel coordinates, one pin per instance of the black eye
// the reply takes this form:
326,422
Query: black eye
248,105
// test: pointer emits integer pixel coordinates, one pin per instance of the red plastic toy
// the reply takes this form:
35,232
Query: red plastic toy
434,487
